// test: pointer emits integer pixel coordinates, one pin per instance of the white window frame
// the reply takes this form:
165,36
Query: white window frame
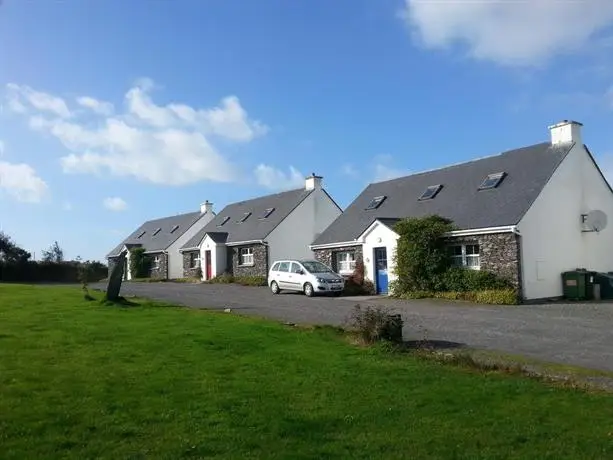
467,259
246,256
345,262
156,262
195,262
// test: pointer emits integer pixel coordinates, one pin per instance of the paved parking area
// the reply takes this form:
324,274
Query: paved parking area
579,334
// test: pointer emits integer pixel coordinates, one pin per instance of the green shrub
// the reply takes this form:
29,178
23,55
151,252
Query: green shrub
251,280
491,296
375,324
225,278
463,280
421,255
140,263
357,284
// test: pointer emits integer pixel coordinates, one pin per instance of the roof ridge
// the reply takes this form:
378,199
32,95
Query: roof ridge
452,165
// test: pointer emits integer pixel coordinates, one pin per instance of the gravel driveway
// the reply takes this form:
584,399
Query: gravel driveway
579,334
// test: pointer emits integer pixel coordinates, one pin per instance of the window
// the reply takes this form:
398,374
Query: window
225,219
430,192
465,255
376,202
244,218
246,256
267,213
492,181
194,259
345,262
141,235
275,267
283,267
174,229
295,268
156,263
157,230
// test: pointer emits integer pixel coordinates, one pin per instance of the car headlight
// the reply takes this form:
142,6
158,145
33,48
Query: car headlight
321,280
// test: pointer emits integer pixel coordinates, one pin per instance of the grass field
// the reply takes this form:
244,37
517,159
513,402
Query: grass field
82,380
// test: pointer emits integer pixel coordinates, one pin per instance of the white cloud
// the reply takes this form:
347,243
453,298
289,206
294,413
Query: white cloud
275,179
20,181
22,96
349,170
96,106
384,170
508,32
160,144
115,204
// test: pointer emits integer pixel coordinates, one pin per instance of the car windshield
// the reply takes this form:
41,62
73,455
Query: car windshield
312,266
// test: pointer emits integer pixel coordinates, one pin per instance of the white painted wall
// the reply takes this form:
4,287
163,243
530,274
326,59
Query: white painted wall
376,236
175,258
292,237
552,241
218,257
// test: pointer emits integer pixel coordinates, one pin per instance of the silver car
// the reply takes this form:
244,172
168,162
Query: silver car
308,276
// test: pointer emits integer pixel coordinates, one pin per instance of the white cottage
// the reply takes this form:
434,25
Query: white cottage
527,214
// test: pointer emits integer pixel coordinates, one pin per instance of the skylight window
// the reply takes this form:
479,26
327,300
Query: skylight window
267,213
376,202
244,218
430,192
225,219
492,181
157,230
141,235
174,229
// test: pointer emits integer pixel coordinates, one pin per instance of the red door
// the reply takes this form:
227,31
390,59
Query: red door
207,264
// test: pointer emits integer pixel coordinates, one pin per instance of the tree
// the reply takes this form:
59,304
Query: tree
10,252
53,254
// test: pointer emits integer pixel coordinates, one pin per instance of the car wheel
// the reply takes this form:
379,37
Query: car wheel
274,287
308,290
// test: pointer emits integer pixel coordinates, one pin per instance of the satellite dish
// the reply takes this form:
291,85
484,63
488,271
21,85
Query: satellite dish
596,220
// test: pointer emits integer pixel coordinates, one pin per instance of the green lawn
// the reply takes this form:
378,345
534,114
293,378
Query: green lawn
82,380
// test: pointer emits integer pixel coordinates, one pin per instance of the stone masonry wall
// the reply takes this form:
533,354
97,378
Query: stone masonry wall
327,256
162,271
499,253
260,261
188,270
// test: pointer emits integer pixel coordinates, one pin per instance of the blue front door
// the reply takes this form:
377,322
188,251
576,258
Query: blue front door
381,270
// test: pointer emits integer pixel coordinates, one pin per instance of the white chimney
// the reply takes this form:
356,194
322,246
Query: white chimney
312,182
566,131
206,207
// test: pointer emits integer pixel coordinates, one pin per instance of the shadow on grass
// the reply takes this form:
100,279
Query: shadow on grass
431,345
120,302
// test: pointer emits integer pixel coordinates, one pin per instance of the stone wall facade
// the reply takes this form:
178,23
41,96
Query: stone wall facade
260,261
328,256
499,253
188,270
162,271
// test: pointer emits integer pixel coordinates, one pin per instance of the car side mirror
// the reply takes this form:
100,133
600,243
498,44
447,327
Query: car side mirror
301,272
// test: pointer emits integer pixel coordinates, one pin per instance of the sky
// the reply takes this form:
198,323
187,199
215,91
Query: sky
116,112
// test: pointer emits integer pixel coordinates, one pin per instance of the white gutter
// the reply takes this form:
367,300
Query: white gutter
334,245
484,231
240,243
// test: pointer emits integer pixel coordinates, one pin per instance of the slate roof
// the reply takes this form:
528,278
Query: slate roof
527,171
254,227
161,240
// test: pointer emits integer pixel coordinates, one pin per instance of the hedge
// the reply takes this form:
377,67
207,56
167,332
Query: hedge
54,272
490,296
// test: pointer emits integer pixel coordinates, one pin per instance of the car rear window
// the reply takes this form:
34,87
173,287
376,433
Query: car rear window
283,267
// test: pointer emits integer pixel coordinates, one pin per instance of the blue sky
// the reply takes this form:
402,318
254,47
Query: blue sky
117,112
